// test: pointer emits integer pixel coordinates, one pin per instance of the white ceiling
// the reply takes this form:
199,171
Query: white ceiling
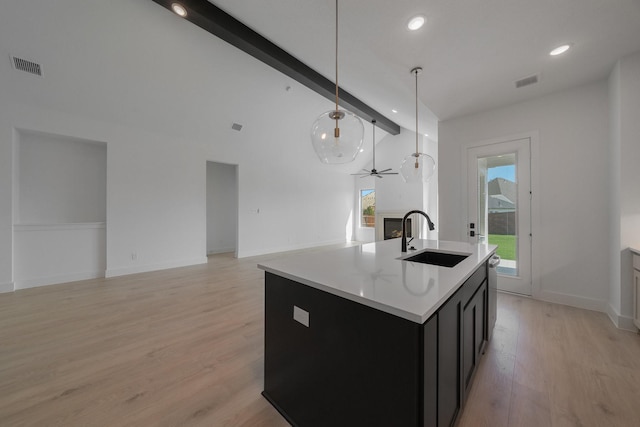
472,51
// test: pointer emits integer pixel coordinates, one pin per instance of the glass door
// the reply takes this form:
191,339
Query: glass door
499,208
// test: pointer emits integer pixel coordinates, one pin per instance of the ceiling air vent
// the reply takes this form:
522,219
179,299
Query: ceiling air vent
236,126
27,66
527,81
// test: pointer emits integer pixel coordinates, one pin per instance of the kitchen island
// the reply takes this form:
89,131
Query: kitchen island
357,336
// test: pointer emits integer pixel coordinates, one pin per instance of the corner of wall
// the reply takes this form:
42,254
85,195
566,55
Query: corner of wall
614,306
621,322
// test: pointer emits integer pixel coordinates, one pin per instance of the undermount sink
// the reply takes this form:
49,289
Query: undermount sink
443,259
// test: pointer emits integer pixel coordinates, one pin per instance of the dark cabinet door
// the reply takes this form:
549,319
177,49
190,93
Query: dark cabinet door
473,333
430,379
449,360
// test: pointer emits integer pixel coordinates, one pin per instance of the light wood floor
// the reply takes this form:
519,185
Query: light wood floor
183,347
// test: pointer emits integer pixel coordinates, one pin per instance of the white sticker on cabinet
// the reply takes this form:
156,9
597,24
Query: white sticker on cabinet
301,316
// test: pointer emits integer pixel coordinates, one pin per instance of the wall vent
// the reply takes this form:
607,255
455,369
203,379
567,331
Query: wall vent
527,81
27,66
236,126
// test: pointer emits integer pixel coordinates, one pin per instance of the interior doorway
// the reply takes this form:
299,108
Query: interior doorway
499,208
222,208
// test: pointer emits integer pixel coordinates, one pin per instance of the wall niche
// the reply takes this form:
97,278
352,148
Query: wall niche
60,209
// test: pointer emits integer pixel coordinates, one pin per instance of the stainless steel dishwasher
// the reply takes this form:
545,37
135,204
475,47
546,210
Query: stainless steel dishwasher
494,262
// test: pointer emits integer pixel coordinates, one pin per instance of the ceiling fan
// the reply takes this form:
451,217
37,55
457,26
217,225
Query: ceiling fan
373,171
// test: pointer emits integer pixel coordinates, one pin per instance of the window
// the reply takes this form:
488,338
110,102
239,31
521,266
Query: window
368,206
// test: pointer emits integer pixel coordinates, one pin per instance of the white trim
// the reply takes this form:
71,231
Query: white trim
59,226
154,267
573,300
6,287
534,208
55,280
621,322
536,229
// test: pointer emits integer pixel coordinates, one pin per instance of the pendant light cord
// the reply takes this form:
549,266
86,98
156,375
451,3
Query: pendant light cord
336,58
336,131
417,154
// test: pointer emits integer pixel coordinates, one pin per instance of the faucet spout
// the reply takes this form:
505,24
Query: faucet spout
404,227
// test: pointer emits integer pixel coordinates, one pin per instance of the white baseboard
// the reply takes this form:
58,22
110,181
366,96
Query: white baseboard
6,287
113,272
573,300
221,251
621,322
287,248
54,280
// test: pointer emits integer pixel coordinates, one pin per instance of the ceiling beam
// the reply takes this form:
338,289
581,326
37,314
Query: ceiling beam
219,23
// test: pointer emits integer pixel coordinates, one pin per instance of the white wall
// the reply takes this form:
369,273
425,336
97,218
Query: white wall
59,209
624,86
60,180
46,254
163,95
222,208
570,184
392,193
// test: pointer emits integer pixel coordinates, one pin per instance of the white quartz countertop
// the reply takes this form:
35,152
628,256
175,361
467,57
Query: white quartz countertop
635,251
372,274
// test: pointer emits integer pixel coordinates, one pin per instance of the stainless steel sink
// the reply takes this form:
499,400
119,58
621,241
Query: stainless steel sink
443,259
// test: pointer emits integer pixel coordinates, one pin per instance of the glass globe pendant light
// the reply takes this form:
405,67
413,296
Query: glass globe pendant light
417,167
337,136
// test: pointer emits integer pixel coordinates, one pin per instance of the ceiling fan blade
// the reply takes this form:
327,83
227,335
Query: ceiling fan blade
386,170
388,173
378,176
365,176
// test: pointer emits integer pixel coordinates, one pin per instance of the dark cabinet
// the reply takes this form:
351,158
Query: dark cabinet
348,364
352,365
473,334
449,349
461,336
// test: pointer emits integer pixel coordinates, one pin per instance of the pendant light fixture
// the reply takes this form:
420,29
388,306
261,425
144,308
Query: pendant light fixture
337,135
417,166
373,171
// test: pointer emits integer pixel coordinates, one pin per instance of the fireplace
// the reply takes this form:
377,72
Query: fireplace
392,228
389,225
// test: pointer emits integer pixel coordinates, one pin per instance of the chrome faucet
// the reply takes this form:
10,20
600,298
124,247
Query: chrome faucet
404,227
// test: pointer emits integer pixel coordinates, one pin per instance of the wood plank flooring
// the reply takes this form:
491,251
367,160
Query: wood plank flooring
183,347
553,365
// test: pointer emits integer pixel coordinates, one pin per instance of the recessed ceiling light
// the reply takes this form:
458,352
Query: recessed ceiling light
179,9
416,22
394,110
362,150
560,50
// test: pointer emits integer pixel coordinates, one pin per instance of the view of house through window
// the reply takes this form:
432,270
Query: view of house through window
502,205
368,206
